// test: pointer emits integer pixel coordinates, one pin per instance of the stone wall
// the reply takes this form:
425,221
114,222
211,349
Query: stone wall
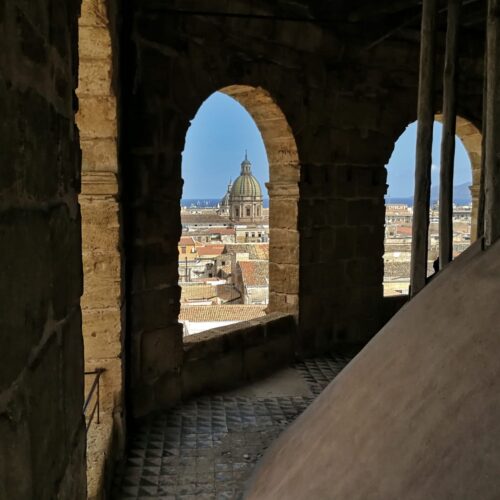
343,107
333,130
101,238
226,357
330,108
102,302
42,433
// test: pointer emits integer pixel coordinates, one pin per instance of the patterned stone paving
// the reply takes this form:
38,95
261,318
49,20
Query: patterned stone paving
319,372
208,447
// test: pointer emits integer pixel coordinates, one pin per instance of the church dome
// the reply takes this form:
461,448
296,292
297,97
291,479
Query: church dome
246,185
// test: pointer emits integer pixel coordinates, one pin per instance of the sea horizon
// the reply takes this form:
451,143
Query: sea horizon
403,200
394,200
208,202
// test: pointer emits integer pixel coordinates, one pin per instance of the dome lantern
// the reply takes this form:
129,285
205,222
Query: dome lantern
246,185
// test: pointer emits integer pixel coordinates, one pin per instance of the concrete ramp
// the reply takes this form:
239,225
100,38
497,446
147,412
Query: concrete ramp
416,415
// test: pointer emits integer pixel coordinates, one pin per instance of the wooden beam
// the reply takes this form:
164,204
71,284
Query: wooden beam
492,144
448,137
423,161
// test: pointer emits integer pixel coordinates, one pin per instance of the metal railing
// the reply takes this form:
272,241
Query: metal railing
94,389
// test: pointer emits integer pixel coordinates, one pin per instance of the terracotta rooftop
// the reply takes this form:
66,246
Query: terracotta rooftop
209,250
202,314
259,251
197,292
405,230
254,272
262,251
227,293
186,240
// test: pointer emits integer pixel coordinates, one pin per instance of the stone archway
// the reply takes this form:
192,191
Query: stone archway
283,187
471,138
157,352
342,140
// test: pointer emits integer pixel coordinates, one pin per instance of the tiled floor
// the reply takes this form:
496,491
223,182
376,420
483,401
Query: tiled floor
208,447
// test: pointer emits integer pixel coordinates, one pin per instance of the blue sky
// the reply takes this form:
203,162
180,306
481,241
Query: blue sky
400,169
215,147
222,130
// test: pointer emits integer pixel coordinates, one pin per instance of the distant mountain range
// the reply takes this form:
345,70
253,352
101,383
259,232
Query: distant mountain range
461,195
460,192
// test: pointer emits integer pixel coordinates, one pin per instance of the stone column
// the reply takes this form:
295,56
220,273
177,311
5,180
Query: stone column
101,245
284,247
471,138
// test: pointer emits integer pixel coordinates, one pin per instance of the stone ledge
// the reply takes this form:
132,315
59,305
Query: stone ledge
226,357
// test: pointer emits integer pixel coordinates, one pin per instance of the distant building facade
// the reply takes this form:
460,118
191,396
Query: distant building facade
246,201
243,205
252,281
224,255
398,242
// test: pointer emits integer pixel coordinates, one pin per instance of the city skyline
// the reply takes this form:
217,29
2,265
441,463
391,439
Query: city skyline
222,130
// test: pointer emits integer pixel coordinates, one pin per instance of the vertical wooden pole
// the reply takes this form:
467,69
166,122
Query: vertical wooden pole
423,160
448,138
480,207
480,204
492,142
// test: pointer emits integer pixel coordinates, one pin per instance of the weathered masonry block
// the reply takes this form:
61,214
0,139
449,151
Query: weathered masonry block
42,432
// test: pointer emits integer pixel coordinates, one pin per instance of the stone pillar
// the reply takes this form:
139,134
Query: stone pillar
471,138
101,232
283,248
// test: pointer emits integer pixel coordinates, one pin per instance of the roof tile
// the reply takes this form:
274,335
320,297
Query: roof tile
202,314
